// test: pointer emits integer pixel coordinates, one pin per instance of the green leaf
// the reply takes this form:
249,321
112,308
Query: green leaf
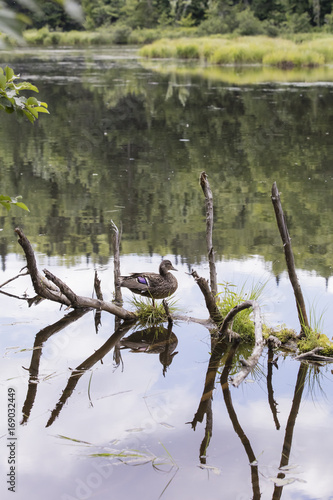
32,101
3,81
11,100
9,73
7,201
41,110
3,197
26,86
22,205
33,111
5,204
30,117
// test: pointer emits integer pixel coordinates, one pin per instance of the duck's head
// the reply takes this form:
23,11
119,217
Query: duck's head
166,266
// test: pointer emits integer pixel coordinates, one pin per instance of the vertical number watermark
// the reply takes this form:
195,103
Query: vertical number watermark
11,439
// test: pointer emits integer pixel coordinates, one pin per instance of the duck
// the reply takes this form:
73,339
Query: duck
152,285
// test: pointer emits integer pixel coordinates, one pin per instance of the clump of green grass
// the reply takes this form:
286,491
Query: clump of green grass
240,51
187,49
159,49
312,339
283,333
245,50
323,46
149,315
230,297
295,57
45,37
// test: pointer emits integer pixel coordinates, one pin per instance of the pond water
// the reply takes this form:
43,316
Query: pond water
108,415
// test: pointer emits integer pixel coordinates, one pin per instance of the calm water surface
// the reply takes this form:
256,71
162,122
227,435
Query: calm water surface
127,140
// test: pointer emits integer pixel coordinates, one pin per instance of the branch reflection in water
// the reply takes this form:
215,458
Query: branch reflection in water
224,349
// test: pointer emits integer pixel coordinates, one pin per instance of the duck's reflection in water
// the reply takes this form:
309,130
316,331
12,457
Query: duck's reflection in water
153,340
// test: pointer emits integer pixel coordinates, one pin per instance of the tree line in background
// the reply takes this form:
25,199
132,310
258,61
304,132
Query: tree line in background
246,17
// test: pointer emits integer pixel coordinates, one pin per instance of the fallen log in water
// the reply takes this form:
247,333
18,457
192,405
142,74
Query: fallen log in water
51,287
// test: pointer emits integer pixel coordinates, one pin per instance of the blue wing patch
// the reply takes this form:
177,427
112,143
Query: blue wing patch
143,280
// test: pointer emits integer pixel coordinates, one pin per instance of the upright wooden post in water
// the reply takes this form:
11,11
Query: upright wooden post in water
118,299
209,230
281,222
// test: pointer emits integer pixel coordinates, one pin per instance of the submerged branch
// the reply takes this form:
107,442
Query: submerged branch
252,361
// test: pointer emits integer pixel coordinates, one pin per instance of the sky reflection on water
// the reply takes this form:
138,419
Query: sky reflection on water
141,409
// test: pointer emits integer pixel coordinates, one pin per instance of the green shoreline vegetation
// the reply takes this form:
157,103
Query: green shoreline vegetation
183,44
279,52
279,33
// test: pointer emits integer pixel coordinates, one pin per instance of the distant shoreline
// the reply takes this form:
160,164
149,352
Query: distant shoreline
301,50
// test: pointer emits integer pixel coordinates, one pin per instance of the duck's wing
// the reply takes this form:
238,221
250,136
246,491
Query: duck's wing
140,282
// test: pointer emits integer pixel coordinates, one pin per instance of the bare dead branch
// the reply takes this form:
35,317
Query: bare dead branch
209,230
52,288
209,298
282,225
116,259
314,356
41,285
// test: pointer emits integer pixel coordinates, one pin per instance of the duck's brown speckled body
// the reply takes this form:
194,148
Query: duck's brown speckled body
153,285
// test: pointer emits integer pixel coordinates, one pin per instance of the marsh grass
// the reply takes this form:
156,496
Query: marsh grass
229,297
294,57
283,333
149,315
44,37
313,339
184,44
313,336
113,35
245,50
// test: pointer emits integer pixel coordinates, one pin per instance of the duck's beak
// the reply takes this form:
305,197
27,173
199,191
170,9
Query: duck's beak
174,269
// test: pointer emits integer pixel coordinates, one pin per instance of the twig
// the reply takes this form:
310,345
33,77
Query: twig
14,278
